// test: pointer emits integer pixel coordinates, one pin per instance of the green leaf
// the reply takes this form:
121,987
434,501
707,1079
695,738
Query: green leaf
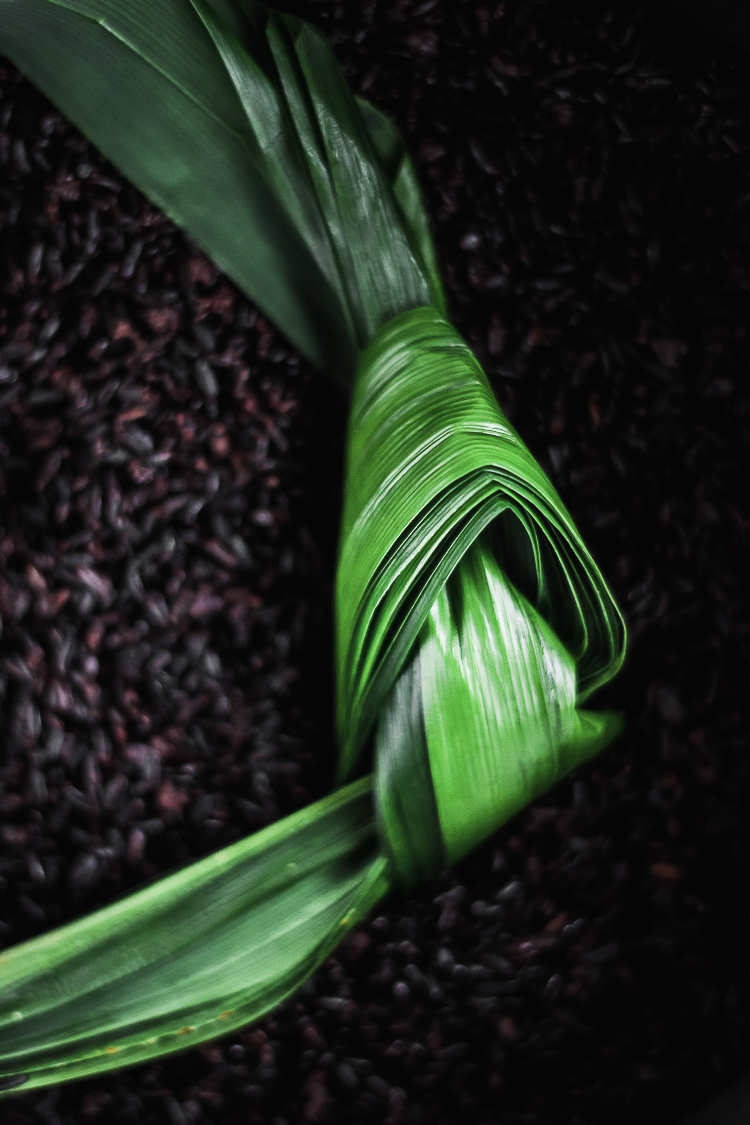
498,683
406,804
481,722
195,955
242,130
395,159
380,270
146,84
431,463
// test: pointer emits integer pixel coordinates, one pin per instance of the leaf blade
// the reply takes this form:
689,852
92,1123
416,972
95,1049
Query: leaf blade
164,136
210,948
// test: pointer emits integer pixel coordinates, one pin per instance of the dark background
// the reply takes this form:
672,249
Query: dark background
170,496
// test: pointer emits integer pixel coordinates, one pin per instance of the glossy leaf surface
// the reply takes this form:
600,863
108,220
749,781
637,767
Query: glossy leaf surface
472,622
499,697
432,462
193,955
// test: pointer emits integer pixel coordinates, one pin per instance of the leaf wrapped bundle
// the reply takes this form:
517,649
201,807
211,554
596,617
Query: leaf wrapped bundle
471,618
471,621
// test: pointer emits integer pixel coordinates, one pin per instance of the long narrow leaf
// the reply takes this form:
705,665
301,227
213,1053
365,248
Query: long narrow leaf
144,82
193,955
257,164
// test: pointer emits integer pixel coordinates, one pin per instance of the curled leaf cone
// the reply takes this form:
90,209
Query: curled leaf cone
472,621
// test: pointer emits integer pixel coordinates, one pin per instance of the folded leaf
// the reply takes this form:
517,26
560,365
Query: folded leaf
431,463
499,692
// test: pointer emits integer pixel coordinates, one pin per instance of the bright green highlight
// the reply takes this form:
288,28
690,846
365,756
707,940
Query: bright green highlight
193,955
431,462
499,692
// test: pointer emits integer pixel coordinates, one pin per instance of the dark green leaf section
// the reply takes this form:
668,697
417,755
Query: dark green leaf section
194,955
396,161
238,123
406,806
144,81
431,464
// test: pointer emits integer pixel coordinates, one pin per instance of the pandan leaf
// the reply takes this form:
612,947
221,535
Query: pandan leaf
497,678
472,623
431,463
471,620
194,955
250,139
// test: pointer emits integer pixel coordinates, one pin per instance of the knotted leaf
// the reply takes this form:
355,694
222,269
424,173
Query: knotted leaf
471,622
461,573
